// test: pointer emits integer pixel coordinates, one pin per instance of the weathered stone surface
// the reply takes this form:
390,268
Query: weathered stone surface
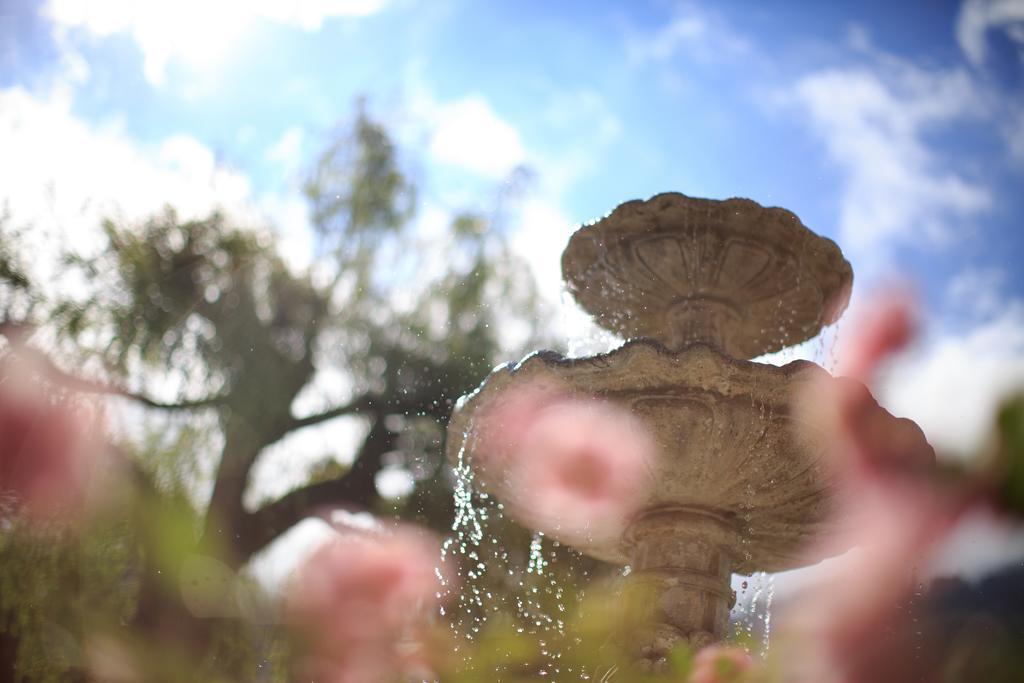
681,269
727,447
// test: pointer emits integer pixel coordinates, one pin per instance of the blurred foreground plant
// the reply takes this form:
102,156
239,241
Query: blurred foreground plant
871,619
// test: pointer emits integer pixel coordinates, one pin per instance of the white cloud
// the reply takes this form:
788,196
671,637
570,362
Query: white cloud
540,236
662,45
1013,131
873,124
571,127
541,232
952,384
289,214
977,291
287,150
692,31
469,134
978,17
568,113
311,14
185,154
197,32
64,175
976,20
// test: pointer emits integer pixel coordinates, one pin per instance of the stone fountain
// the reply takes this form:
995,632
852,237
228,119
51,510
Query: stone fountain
698,287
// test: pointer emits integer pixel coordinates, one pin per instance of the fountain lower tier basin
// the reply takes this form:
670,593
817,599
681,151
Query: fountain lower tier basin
735,477
726,440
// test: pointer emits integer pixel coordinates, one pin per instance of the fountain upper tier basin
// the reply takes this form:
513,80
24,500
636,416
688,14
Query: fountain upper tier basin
682,269
729,456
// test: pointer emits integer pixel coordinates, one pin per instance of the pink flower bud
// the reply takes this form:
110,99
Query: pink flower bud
361,602
579,470
720,664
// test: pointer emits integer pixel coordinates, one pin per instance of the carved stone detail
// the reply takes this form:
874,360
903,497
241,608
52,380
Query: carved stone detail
680,269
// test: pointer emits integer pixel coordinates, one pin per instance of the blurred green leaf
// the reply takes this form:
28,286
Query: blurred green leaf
1010,425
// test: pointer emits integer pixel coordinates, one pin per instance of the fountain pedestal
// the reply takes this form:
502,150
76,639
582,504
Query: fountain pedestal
683,557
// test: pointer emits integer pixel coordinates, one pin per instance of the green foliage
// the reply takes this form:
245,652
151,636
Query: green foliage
594,644
357,192
12,271
18,297
168,292
55,585
1010,454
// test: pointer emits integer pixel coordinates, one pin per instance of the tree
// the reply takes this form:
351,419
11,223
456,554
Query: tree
213,309
203,322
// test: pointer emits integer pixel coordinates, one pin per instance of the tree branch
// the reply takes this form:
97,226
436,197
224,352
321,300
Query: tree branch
356,488
41,360
363,403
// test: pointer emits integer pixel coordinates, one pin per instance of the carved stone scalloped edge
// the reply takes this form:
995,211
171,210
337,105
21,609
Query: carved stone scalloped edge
776,225
646,364
700,364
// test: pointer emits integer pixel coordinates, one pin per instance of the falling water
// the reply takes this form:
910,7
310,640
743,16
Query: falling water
466,548
767,636
584,337
752,615
497,576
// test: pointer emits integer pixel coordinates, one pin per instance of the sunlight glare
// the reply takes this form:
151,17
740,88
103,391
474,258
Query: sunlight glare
199,34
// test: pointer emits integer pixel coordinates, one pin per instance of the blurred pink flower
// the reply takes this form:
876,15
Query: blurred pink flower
580,470
49,443
847,624
868,446
720,664
360,602
891,509
500,425
883,326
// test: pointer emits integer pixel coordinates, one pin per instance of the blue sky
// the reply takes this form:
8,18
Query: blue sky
895,128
